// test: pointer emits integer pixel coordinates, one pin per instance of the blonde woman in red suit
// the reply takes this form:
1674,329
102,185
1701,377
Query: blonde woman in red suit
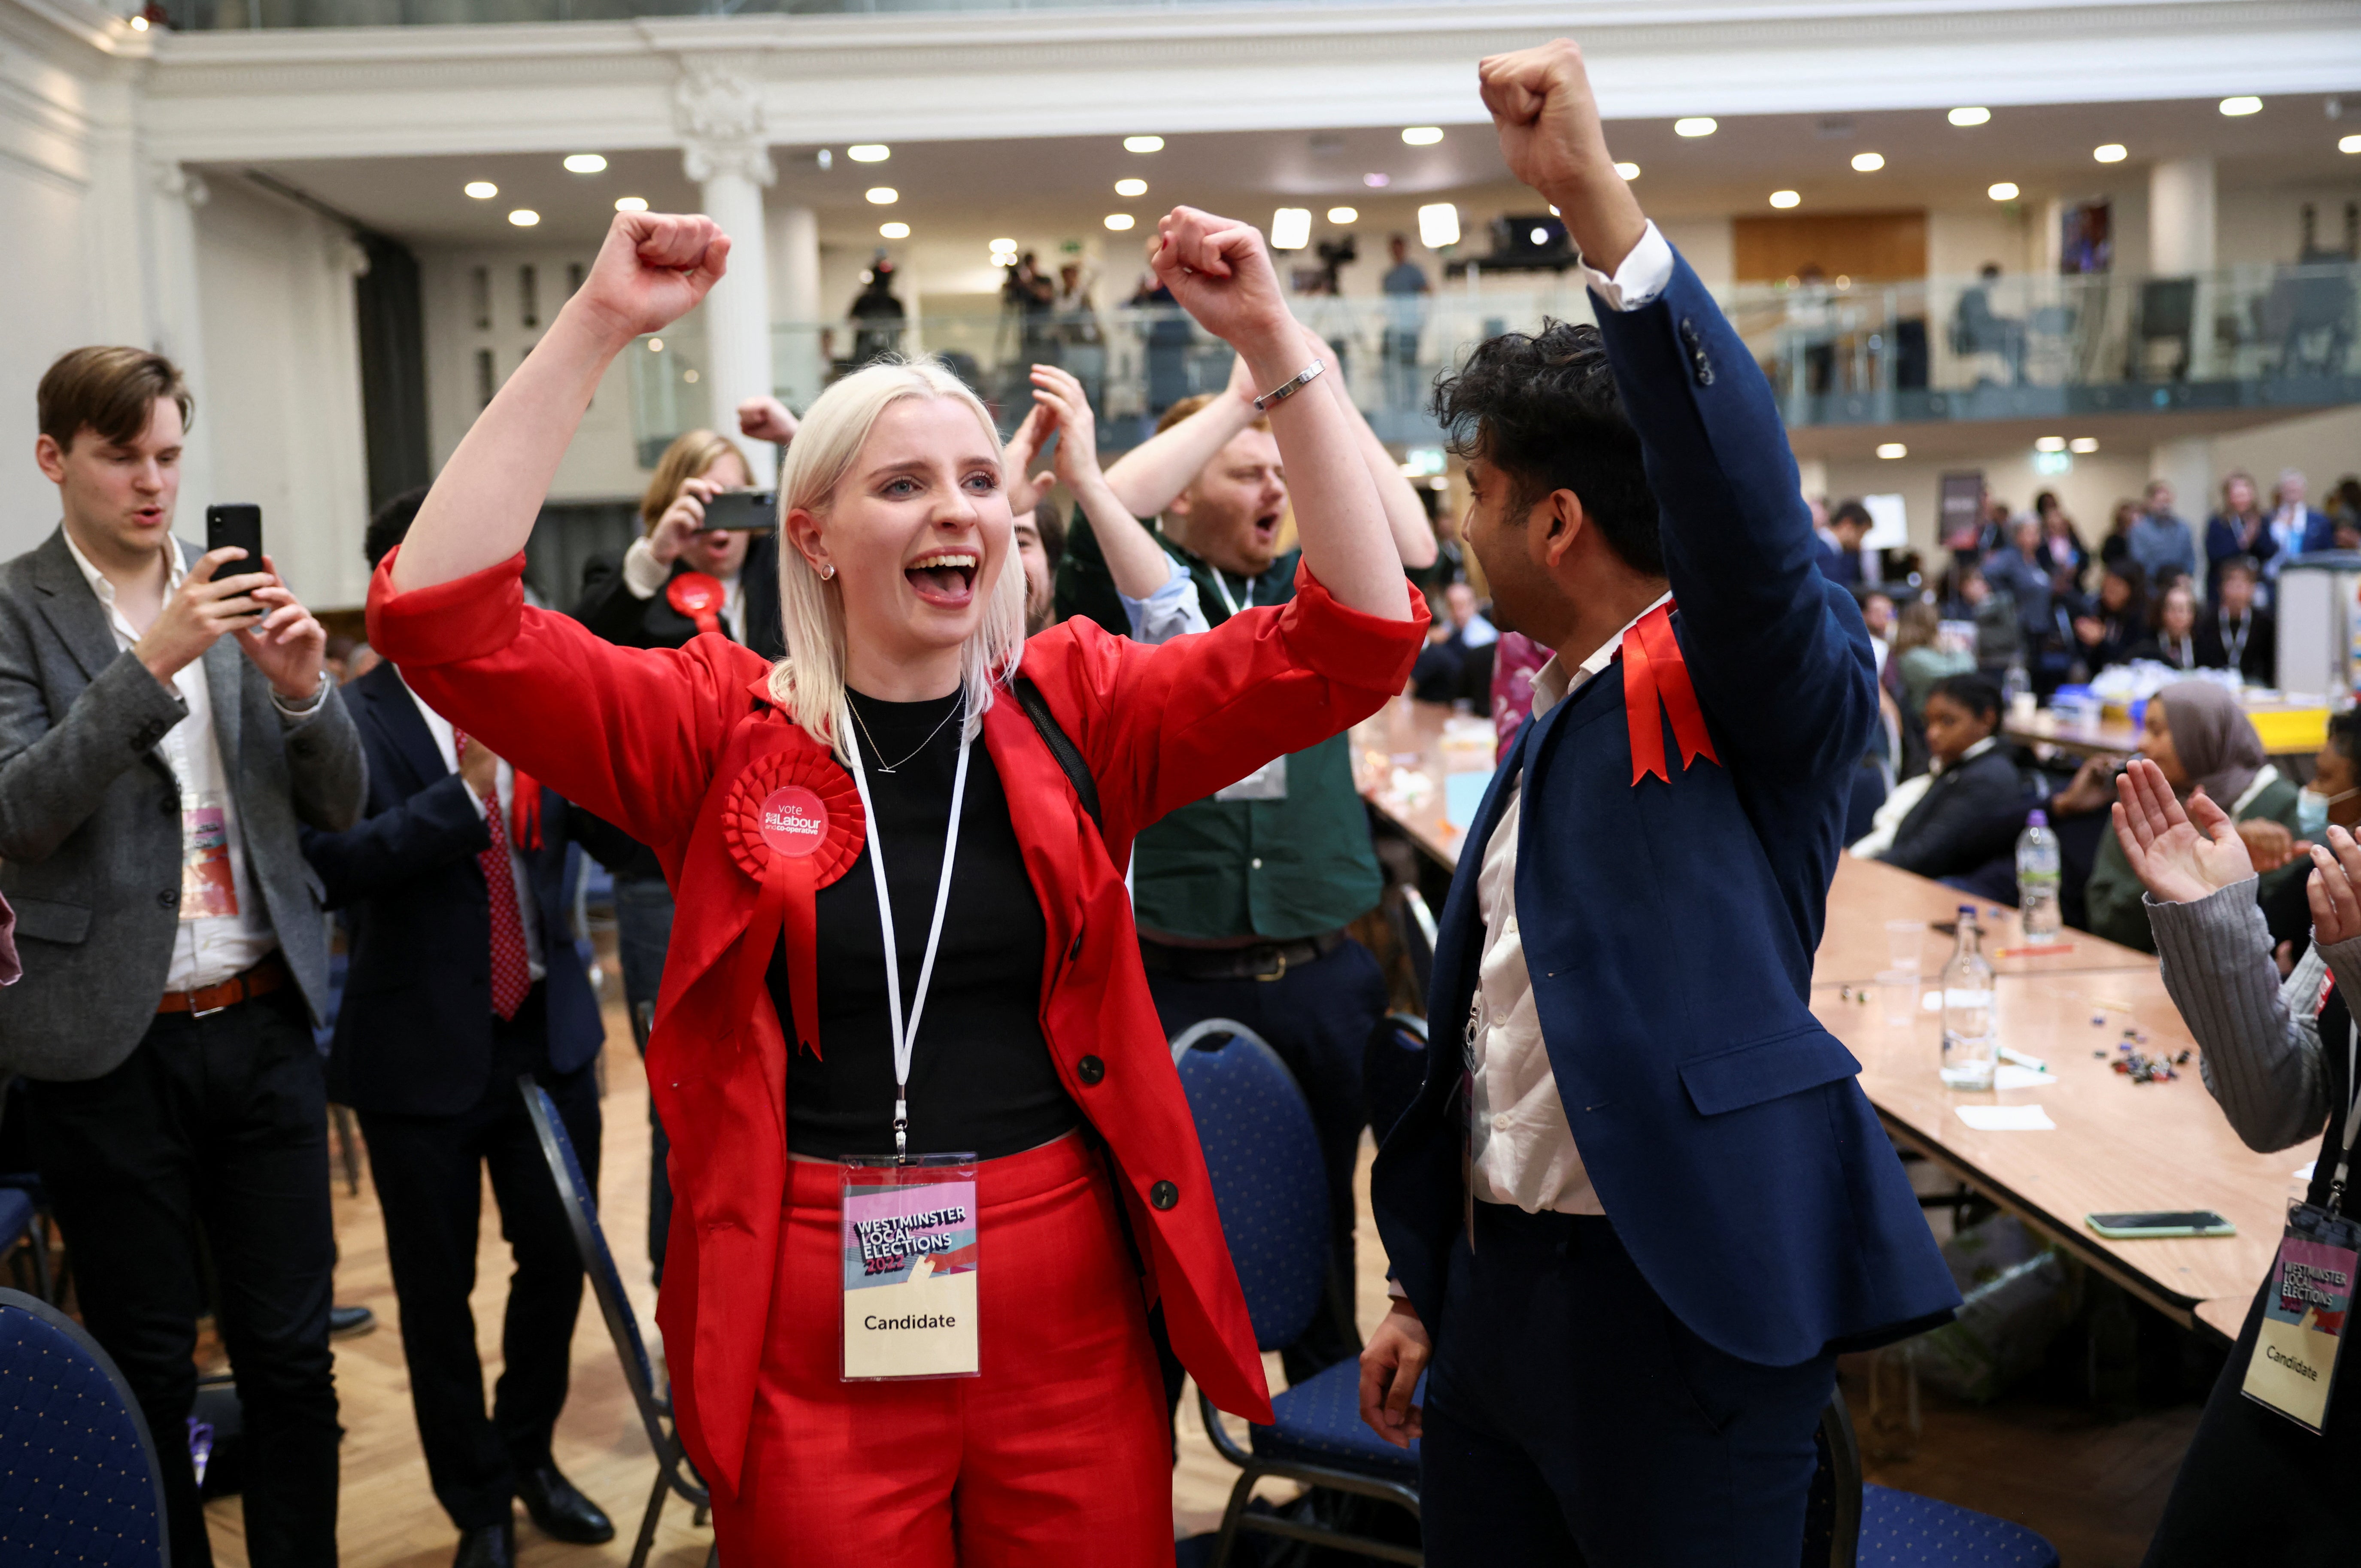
1028,1038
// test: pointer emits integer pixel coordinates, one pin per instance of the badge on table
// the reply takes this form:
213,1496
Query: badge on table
910,1235
207,885
2304,1308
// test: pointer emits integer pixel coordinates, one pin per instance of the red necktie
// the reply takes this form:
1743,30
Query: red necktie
512,973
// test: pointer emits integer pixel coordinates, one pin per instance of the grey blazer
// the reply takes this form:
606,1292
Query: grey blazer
90,817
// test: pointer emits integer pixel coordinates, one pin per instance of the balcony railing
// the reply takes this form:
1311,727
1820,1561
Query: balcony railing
206,16
1841,353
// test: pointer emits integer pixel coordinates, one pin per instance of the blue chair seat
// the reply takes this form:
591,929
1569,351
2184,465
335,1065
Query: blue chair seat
1319,1422
1905,1530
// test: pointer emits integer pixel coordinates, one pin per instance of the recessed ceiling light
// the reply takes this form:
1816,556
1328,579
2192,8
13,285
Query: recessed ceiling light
2083,443
1969,116
1377,181
1119,222
655,345
1143,144
138,24
1867,162
2050,444
1784,199
1438,225
1695,126
883,195
893,231
585,163
1892,449
1344,214
1007,244
1422,136
689,376
481,190
631,203
1629,170
2348,144
525,217
2002,190
2243,104
2112,152
869,152
1131,187
1291,228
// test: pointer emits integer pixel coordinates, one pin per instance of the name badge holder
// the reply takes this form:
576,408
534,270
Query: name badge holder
908,1222
2293,1370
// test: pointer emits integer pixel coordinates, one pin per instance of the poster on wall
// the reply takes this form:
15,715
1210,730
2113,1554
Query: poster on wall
2086,239
1961,510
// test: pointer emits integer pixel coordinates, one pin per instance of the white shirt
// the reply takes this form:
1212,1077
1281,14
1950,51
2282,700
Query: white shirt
209,948
1523,1151
644,576
504,785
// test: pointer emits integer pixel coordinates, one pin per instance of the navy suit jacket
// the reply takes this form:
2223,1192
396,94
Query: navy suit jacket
1669,927
414,1033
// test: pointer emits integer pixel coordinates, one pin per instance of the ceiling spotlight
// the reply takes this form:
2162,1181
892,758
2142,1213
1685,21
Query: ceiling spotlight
2050,444
1438,225
1892,449
1131,187
869,152
585,163
1143,144
1119,222
631,203
1291,228
525,217
2112,152
999,245
1867,162
1695,126
2348,144
2002,190
883,195
2242,104
1422,136
1629,170
2083,443
825,159
655,345
1784,199
1969,116
893,231
481,190
1377,181
1344,214
138,24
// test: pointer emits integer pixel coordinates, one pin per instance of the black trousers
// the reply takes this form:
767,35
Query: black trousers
428,1172
215,1124
1571,1419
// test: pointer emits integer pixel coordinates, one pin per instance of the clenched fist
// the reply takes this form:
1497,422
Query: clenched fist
652,270
1542,107
1220,271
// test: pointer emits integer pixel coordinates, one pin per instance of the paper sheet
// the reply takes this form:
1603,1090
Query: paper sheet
2006,1118
2011,1076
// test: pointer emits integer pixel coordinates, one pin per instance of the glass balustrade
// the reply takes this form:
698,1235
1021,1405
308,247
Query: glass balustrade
203,15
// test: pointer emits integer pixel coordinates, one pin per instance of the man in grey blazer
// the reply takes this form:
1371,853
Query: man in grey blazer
165,724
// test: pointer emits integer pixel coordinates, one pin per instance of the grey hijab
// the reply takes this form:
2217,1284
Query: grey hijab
2216,742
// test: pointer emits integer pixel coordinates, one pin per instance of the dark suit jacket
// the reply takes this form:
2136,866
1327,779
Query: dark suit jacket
414,1035
607,607
2258,662
1943,834
1669,927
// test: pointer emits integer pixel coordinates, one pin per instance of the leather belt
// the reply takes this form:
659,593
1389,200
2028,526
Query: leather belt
260,980
1264,961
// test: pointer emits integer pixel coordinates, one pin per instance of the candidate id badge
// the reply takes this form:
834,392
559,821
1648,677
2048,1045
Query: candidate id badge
208,887
909,1233
1265,783
2303,1327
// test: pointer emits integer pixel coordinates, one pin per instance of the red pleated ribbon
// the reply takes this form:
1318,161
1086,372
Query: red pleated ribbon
697,596
1655,673
793,822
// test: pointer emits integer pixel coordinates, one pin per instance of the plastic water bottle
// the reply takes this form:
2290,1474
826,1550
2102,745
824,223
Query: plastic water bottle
2017,688
1970,1042
2037,878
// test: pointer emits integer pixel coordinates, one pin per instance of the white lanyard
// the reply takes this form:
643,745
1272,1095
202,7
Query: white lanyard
905,1036
2352,1118
2236,651
1222,586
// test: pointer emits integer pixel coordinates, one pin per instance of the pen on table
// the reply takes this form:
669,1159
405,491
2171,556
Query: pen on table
2034,1063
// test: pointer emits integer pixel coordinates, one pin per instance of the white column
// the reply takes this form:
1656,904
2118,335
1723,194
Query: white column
2180,217
174,195
720,120
794,300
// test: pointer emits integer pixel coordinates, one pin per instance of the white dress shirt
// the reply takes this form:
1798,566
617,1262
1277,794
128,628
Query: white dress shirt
504,784
644,576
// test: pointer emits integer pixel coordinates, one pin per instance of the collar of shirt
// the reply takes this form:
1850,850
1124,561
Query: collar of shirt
1970,755
176,572
1552,685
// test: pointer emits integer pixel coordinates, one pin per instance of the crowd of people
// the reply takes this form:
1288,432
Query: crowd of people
935,810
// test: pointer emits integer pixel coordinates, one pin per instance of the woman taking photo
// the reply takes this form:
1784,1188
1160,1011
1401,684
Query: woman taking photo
895,940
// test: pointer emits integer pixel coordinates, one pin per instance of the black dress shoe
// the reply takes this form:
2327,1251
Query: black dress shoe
559,1511
346,1321
492,1546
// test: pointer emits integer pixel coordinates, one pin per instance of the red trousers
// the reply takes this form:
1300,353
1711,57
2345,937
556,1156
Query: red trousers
1059,1454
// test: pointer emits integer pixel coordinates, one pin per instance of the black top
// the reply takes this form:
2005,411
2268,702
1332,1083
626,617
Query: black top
980,1077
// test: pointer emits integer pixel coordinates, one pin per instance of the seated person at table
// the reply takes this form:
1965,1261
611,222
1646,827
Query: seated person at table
1923,826
1922,659
2235,635
2109,629
2173,624
2201,737
1456,663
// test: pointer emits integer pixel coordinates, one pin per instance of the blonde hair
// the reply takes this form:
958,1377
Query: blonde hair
691,455
809,682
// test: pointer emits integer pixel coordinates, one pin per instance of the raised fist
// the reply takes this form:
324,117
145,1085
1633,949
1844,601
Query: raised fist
1220,271
652,270
1542,106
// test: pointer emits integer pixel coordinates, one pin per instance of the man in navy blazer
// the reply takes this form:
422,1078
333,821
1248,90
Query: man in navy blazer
1677,1206
422,1052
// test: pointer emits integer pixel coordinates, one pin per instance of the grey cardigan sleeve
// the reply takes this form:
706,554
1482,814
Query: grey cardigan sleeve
2260,1038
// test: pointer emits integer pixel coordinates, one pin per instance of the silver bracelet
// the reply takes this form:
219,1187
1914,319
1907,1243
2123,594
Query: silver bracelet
1286,389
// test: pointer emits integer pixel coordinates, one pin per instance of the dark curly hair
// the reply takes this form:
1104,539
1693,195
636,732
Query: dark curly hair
1543,409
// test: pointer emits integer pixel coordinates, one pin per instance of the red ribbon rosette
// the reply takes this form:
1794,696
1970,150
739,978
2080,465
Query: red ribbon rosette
793,822
697,596
1655,673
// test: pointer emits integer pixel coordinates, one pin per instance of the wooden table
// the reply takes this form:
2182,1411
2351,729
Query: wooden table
1854,946
1405,743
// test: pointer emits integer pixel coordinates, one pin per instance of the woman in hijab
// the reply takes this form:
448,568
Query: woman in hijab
2200,739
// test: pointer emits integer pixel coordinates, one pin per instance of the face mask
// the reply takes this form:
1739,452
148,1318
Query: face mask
2312,810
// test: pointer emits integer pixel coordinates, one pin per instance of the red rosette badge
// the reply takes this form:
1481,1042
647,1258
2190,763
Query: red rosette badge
793,822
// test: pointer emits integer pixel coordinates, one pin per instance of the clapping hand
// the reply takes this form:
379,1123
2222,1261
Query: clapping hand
2181,856
653,269
2335,906
1023,486
1058,392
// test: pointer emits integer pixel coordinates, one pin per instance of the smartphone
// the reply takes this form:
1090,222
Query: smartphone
238,523
2161,1222
744,511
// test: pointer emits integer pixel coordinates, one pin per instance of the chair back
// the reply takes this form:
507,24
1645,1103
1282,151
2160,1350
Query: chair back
1393,1070
1413,925
84,1484
1832,1511
1269,1184
2167,308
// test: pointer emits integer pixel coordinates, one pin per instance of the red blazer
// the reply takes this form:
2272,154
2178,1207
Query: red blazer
653,738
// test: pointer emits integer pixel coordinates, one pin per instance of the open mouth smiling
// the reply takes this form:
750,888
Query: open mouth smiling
945,578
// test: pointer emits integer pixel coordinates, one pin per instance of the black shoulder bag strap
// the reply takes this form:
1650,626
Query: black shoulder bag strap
1070,756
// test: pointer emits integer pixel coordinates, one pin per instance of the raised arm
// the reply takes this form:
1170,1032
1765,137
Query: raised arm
1145,478
1137,563
1405,517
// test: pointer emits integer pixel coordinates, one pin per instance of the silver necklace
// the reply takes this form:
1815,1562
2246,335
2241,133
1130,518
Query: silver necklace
922,745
